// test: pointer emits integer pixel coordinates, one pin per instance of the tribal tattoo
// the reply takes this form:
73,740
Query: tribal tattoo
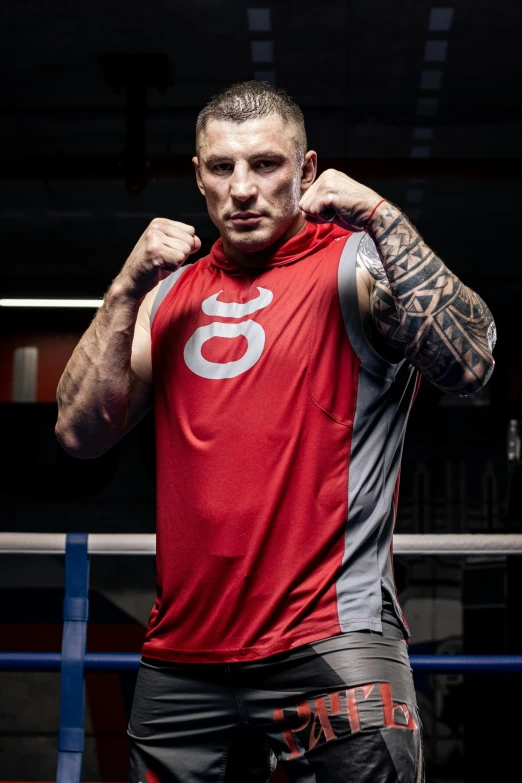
422,309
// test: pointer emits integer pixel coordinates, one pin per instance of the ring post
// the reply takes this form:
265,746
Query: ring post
72,689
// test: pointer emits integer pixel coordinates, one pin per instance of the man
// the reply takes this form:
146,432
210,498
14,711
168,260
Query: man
282,368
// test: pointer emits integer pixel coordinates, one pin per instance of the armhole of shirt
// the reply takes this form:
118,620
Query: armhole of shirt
351,312
164,288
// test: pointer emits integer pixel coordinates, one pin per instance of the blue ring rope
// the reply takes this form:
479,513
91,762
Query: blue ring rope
72,686
111,662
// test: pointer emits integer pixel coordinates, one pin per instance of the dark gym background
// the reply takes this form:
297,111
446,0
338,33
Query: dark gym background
98,103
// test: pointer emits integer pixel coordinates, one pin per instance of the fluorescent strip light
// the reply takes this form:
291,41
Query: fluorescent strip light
51,302
69,213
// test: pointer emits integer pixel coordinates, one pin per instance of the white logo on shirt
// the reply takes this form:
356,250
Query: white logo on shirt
254,333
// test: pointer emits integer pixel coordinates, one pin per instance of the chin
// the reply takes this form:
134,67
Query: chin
255,240
250,246
250,241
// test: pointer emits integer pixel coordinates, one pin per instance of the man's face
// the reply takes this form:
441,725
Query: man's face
251,179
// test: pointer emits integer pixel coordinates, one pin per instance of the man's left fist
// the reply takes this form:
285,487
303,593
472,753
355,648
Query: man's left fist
336,198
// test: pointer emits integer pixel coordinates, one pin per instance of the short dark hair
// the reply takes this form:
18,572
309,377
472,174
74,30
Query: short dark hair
245,101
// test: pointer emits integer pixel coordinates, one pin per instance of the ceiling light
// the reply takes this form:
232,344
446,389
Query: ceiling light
51,302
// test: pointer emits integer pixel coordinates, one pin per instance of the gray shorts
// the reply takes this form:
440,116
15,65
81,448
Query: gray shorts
342,709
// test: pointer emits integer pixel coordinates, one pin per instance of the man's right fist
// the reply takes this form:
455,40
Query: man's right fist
161,249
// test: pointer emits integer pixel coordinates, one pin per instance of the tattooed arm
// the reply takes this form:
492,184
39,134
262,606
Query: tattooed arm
421,308
410,301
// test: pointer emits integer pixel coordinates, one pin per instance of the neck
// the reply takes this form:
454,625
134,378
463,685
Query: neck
258,258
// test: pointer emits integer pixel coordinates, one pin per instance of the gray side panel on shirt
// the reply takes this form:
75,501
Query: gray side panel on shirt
384,396
164,287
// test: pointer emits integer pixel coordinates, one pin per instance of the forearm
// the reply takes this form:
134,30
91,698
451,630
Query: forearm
448,330
95,389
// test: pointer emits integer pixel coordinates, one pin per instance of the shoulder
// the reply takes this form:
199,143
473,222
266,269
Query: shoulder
368,260
376,303
363,267
158,294
368,272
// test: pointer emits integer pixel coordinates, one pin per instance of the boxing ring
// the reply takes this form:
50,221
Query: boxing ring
73,661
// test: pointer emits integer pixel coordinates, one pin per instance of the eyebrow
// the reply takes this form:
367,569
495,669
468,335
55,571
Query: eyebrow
212,159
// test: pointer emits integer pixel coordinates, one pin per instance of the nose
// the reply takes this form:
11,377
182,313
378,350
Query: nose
242,185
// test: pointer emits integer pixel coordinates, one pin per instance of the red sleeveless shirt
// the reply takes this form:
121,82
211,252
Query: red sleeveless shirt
256,387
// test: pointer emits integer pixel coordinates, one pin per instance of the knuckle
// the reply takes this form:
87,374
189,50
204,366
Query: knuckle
152,242
158,262
186,240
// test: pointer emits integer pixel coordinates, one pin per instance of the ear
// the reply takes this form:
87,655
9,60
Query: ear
199,180
309,170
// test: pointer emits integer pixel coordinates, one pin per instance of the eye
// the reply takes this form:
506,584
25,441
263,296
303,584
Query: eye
221,167
266,164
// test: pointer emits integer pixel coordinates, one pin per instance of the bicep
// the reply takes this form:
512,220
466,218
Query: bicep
141,365
378,309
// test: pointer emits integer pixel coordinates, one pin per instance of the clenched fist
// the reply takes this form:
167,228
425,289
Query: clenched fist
337,198
161,249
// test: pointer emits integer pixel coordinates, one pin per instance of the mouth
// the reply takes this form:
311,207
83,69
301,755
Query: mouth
245,219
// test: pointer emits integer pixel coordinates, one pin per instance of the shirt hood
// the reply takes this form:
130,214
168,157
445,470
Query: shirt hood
314,237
